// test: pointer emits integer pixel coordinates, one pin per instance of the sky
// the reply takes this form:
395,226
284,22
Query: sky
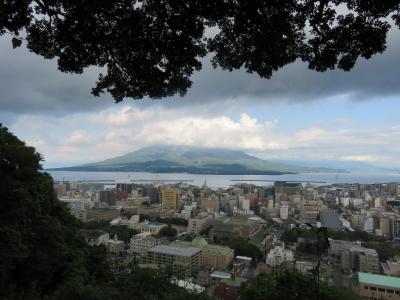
298,115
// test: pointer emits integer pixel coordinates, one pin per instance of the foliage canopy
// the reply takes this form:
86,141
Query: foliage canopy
151,48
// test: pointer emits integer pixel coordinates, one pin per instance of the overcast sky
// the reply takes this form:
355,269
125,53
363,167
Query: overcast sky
297,115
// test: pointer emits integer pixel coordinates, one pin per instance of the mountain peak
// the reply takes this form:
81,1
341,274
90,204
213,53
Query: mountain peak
189,159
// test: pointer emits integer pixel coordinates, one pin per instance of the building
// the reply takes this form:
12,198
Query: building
124,187
80,214
141,242
146,226
94,237
167,213
169,198
197,225
337,247
360,259
372,286
229,288
310,209
115,245
107,197
216,256
73,203
185,214
102,214
217,276
279,255
330,220
285,189
284,211
210,204
391,268
152,193
185,261
226,229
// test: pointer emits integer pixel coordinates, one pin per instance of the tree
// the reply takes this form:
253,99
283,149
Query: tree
290,284
243,247
151,48
42,253
40,249
168,231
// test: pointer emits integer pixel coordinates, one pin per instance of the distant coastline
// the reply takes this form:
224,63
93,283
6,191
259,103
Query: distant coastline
175,170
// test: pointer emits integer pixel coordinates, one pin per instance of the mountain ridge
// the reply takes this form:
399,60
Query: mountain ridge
189,159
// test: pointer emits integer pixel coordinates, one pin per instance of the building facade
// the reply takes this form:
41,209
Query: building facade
169,198
184,261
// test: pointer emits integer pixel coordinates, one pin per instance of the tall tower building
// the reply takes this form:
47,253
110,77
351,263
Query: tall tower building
169,198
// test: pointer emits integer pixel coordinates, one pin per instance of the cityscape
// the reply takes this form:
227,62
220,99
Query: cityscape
218,239
199,150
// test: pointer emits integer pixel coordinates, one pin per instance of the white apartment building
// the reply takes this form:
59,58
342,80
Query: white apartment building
284,211
73,203
195,226
360,259
143,241
279,255
186,214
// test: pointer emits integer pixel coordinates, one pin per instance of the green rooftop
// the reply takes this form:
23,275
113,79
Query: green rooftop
374,279
234,282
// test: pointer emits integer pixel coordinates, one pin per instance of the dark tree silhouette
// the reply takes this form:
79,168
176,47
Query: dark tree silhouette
152,47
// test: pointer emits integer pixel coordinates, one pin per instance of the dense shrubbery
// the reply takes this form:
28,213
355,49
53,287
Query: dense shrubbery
292,235
385,249
242,246
168,231
288,284
175,221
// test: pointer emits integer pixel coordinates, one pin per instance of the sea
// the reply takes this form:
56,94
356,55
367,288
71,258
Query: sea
224,181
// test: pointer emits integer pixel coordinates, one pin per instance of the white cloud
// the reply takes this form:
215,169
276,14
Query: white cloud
125,116
77,138
112,132
364,158
310,134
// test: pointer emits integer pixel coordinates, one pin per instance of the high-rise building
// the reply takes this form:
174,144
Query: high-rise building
360,259
153,194
169,198
285,189
125,187
107,197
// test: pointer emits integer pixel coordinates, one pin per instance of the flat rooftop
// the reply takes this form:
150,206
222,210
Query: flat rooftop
154,225
382,280
175,250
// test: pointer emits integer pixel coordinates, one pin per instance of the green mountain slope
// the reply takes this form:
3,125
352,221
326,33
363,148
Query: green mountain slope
183,159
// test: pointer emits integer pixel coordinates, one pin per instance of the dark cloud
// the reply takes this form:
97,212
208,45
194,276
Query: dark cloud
377,77
30,84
